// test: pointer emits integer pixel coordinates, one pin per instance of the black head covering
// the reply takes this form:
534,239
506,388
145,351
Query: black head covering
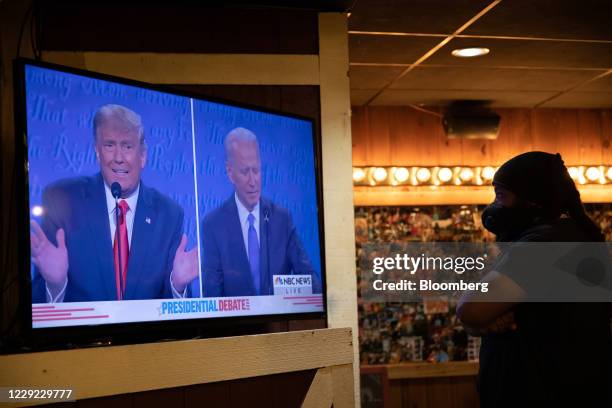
542,179
538,177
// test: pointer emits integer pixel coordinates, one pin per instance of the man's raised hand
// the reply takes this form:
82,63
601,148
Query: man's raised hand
51,260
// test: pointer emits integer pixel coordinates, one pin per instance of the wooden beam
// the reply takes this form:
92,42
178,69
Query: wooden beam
320,392
447,195
451,195
196,69
337,178
98,372
429,370
342,382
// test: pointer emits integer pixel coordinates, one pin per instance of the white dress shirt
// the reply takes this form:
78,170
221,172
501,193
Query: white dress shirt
243,214
132,201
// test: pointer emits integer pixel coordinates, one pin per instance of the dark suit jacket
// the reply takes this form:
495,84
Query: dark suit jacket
78,205
225,266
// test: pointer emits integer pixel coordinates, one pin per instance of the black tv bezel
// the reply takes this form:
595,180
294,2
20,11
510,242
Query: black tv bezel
31,339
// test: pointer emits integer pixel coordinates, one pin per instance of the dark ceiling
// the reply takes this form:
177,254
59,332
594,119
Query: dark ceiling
544,53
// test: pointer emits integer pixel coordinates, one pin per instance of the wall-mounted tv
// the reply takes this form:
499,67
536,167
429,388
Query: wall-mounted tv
149,206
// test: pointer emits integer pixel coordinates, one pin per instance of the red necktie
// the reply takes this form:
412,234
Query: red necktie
121,244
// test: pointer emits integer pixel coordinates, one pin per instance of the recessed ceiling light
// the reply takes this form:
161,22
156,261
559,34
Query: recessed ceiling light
470,52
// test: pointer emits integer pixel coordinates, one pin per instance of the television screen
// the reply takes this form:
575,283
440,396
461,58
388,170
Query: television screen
148,205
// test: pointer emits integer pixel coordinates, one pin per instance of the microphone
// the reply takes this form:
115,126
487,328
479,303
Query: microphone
266,215
116,192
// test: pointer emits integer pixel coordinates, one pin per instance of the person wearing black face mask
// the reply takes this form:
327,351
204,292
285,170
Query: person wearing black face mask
533,354
532,189
507,223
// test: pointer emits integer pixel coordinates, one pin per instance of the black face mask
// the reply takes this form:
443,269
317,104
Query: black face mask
507,223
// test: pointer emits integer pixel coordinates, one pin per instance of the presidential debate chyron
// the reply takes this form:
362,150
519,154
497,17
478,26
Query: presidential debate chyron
148,205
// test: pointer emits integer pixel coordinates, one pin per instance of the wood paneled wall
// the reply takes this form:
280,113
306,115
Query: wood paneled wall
390,135
449,392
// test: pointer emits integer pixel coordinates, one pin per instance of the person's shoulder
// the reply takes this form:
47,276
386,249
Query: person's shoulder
220,213
536,233
561,230
270,208
71,185
161,200
568,229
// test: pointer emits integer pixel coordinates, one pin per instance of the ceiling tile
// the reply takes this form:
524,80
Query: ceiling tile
581,100
444,97
361,96
413,16
554,54
365,77
471,78
517,73
599,85
584,19
388,49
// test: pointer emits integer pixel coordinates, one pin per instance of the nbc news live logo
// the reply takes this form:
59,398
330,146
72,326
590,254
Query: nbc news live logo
292,284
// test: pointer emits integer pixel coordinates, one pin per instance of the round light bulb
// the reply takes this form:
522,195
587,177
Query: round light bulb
592,173
488,173
358,174
573,172
380,174
401,174
466,174
423,174
445,174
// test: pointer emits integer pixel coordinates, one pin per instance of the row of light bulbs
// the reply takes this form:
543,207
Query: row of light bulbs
459,175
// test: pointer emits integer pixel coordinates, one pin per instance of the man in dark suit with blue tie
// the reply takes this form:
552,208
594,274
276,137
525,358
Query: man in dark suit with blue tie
90,247
248,239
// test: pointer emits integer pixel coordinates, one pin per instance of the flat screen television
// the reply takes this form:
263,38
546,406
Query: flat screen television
148,209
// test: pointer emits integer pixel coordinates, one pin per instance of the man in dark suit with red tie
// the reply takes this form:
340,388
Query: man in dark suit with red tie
90,247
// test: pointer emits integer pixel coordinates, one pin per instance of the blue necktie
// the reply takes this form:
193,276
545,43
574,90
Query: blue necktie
254,253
